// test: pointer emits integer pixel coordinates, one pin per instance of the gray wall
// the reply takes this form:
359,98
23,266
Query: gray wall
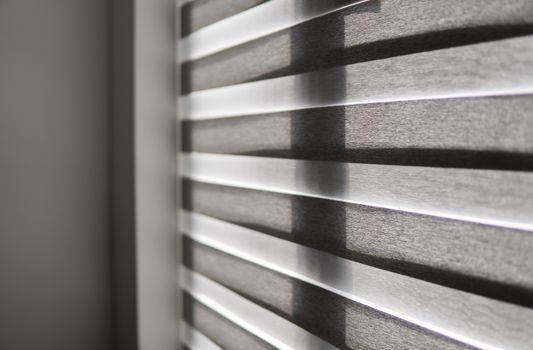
54,205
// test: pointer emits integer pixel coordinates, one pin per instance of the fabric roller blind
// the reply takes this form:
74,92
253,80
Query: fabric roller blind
356,174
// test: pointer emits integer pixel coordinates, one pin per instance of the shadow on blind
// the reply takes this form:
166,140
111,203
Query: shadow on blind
357,174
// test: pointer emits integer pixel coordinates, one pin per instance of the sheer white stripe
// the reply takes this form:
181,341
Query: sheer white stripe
254,23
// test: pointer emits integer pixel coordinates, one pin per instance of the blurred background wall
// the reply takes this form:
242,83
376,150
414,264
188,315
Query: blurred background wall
87,175
54,175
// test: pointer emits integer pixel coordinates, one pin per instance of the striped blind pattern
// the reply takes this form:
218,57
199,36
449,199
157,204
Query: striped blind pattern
356,174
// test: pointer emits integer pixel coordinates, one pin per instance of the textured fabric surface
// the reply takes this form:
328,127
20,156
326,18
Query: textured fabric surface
374,30
483,259
340,321
220,330
476,150
485,132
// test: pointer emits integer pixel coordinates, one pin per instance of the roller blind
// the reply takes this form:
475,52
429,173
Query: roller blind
356,174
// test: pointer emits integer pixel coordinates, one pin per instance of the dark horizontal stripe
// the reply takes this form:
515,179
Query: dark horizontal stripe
200,13
490,197
341,322
217,328
483,132
485,260
257,320
375,30
494,68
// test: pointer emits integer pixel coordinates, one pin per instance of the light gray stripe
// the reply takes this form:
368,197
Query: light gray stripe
254,23
196,340
469,318
493,197
488,69
262,323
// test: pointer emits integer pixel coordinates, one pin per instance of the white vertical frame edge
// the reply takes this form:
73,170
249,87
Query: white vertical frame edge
155,174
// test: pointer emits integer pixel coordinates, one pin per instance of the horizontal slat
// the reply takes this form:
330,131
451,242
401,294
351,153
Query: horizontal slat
501,198
340,321
488,69
219,329
196,14
486,260
256,22
255,319
489,132
373,30
468,318
196,340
